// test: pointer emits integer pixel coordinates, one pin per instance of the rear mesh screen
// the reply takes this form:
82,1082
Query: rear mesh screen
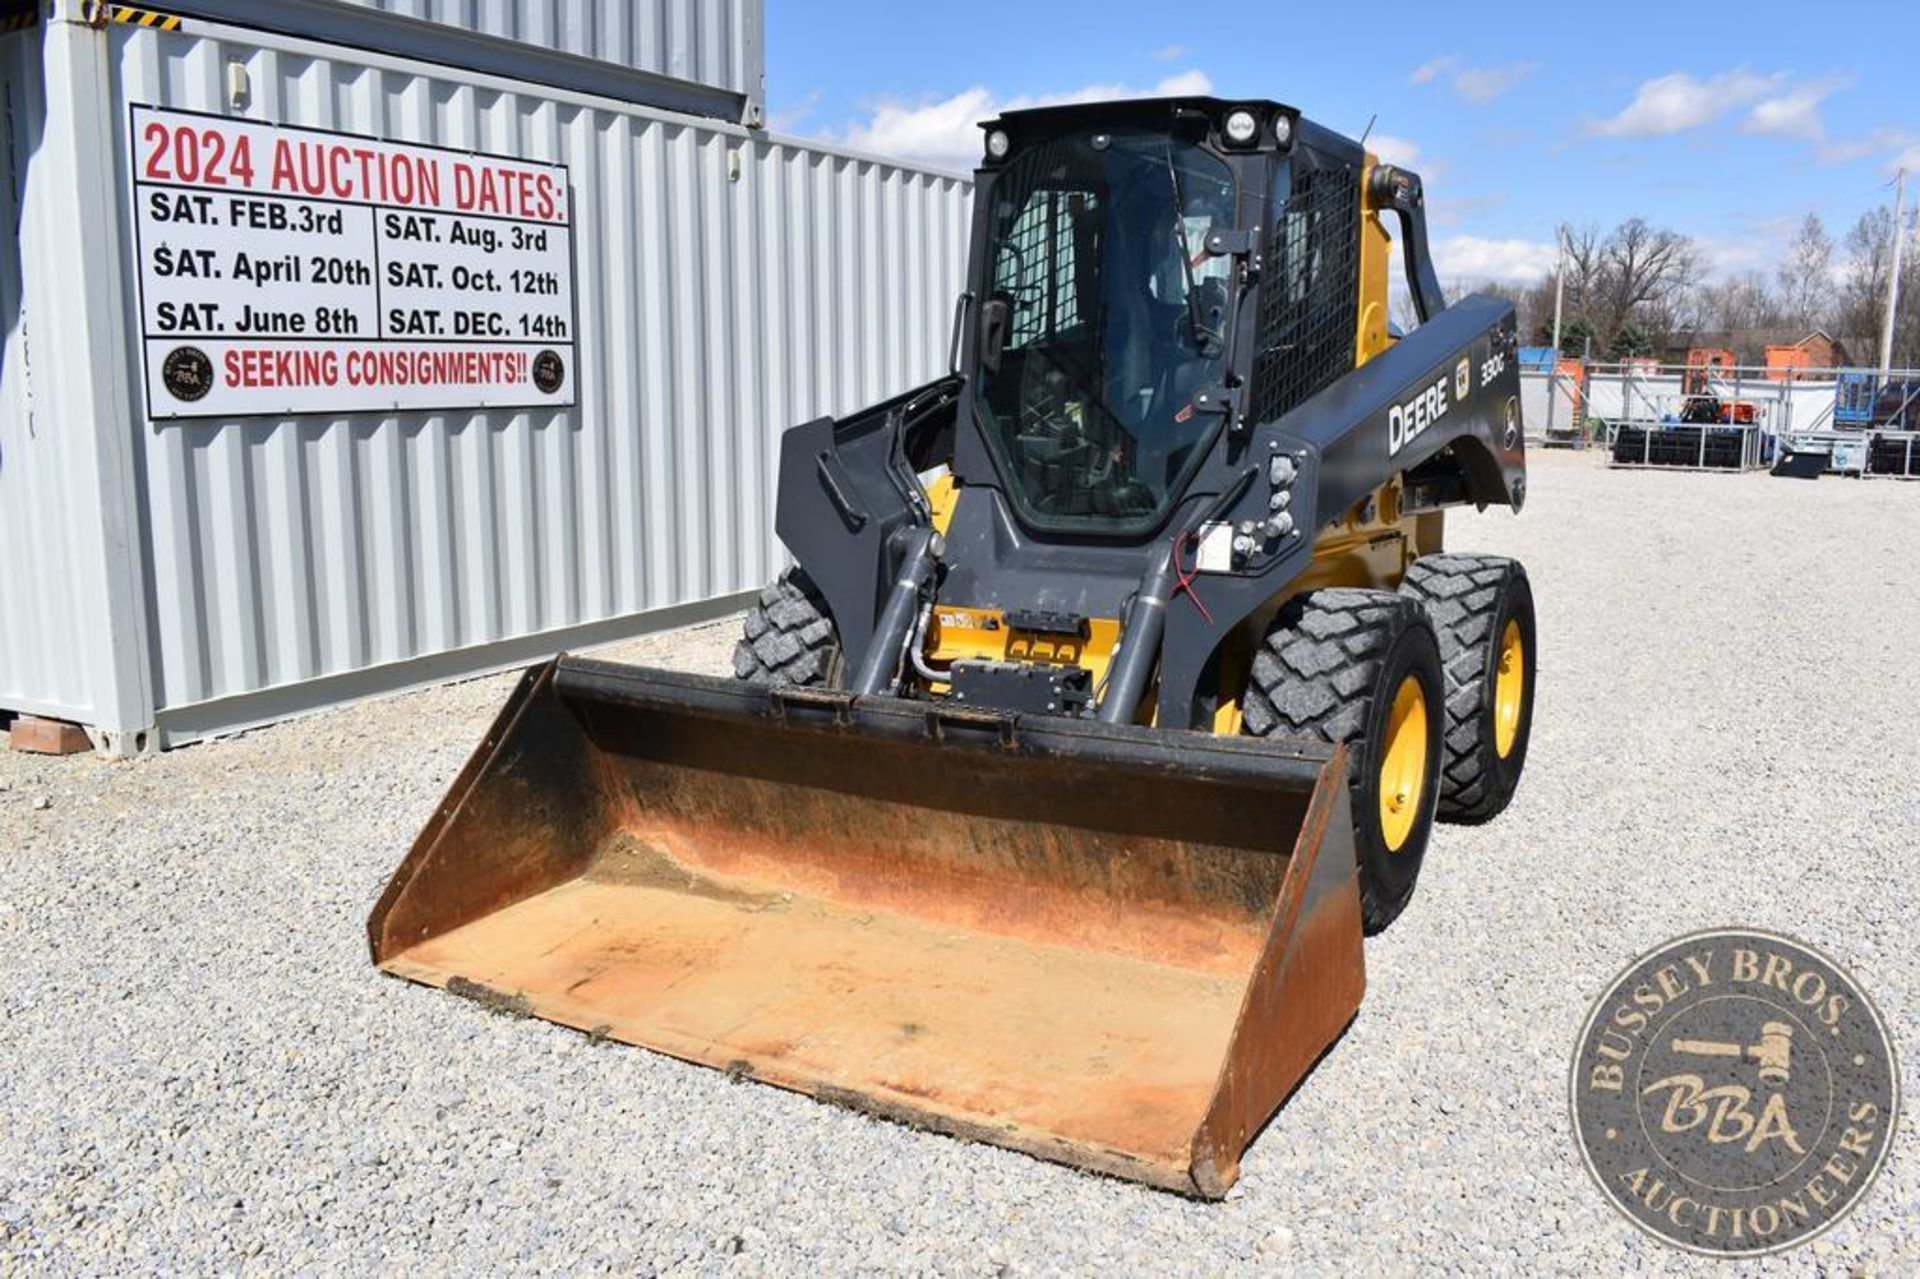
1038,266
1309,307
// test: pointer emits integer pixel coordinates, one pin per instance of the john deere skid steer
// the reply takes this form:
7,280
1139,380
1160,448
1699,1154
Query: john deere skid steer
1116,687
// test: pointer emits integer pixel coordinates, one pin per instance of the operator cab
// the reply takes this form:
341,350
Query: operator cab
1105,320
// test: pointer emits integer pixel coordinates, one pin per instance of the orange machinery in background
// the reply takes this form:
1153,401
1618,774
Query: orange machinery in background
1789,363
1702,362
1702,403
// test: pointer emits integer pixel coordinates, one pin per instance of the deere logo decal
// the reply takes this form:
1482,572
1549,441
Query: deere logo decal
1734,1093
1462,379
1404,421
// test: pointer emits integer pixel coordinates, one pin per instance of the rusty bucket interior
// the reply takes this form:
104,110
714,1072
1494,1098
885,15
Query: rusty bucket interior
1108,946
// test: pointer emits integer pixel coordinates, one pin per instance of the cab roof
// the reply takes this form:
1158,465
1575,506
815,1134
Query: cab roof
1158,113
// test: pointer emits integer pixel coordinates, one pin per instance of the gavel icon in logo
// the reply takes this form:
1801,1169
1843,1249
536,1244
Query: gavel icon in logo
1772,1052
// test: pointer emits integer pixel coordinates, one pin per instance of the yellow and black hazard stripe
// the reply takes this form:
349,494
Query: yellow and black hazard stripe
100,14
18,15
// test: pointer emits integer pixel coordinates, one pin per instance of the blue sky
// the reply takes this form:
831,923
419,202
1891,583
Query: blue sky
1728,122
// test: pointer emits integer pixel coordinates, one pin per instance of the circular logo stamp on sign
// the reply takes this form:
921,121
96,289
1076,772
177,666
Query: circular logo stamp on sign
549,371
187,373
1734,1092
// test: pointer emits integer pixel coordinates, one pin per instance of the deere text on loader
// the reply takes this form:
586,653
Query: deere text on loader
1118,682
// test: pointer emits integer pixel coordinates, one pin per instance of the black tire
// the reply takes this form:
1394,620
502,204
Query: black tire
1328,669
1471,599
789,638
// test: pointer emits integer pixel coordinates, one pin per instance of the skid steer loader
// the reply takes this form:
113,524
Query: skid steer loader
1115,689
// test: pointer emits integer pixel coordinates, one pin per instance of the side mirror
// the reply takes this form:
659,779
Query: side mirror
996,322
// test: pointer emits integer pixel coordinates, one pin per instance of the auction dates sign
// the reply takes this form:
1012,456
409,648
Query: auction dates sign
291,270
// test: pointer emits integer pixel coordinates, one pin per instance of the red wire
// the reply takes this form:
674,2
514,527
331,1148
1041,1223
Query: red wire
1184,579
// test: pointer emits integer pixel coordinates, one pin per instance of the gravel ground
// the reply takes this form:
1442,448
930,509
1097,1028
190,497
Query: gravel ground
199,1068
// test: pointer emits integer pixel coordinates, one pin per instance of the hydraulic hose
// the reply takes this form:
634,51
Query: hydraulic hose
1140,634
879,670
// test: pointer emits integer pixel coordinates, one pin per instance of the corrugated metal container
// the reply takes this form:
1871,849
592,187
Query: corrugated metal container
203,575
716,42
700,56
69,593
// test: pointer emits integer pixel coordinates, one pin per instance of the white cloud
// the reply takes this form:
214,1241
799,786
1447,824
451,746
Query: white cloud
1475,258
789,118
1484,84
1759,248
1754,245
1678,102
1187,84
1449,211
1846,151
1475,84
1392,150
1795,114
947,132
944,132
1170,52
1896,147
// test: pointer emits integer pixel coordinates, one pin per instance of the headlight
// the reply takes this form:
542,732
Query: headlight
1282,130
998,144
1241,127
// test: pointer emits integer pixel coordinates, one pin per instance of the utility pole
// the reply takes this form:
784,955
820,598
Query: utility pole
1559,294
1893,276
1559,286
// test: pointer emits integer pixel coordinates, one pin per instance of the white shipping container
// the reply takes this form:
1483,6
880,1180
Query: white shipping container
165,579
705,57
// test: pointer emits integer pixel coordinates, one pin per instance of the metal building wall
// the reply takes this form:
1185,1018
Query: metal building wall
291,563
704,57
70,643
713,42
33,663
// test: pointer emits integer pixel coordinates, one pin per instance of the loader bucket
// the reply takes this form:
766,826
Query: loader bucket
1114,947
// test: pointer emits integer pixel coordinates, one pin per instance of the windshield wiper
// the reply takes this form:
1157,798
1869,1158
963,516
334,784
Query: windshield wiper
1200,331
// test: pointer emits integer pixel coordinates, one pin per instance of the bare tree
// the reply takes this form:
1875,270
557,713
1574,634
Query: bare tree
1806,277
1585,261
1737,304
1863,280
1675,312
1906,323
1401,312
1517,294
1536,308
1634,274
1861,305
1644,271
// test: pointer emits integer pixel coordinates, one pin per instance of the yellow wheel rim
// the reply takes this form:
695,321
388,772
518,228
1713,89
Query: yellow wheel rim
1509,689
1403,765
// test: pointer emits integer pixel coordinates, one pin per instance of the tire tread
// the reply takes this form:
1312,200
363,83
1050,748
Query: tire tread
787,636
1462,596
1314,675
